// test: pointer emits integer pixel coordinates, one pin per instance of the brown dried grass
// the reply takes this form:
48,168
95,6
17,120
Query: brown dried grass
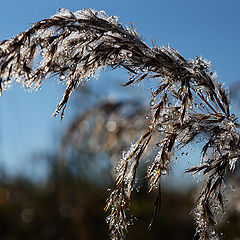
187,103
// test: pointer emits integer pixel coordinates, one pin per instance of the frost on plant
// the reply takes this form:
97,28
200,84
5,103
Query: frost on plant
187,102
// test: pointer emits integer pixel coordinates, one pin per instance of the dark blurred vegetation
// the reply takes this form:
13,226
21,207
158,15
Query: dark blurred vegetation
69,205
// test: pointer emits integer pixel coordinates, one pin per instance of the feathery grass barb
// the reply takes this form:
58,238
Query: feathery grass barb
188,101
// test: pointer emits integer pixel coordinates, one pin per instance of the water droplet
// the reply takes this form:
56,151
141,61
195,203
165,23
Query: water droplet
164,171
169,104
111,57
165,116
182,153
203,106
129,54
114,18
186,153
62,77
120,54
151,102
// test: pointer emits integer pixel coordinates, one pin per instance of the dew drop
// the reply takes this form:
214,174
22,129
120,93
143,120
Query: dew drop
111,57
129,54
202,105
62,77
151,102
164,171
114,18
120,54
165,116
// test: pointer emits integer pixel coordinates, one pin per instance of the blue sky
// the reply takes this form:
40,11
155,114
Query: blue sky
208,28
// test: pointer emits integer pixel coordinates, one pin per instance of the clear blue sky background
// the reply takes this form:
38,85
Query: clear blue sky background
208,27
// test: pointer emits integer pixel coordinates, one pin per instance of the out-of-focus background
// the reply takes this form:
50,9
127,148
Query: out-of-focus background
55,176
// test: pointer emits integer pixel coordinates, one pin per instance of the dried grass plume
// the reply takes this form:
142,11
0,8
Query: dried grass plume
187,102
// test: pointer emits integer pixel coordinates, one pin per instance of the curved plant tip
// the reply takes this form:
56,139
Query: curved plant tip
187,102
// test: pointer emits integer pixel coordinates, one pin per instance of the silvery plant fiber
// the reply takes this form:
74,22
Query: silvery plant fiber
188,102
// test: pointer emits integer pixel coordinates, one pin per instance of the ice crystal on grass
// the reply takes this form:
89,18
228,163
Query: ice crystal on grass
188,102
